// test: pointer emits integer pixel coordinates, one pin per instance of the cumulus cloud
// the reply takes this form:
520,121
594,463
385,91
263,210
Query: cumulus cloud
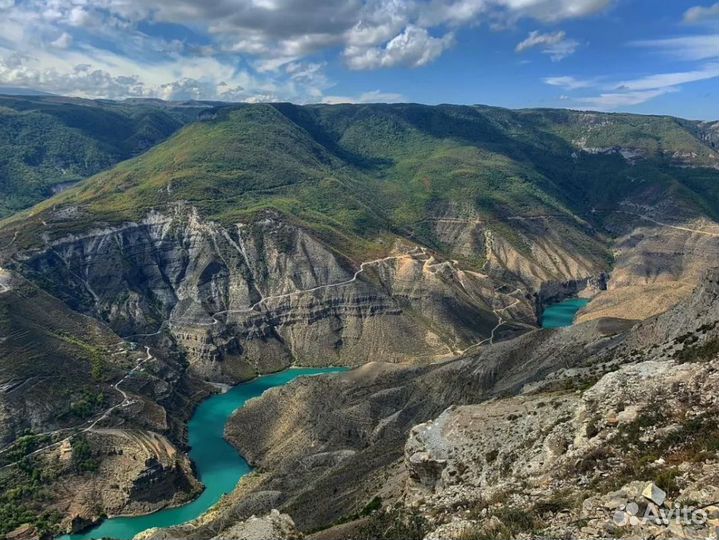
255,49
701,14
414,47
554,44
82,79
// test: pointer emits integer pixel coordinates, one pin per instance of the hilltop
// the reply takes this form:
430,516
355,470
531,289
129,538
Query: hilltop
48,143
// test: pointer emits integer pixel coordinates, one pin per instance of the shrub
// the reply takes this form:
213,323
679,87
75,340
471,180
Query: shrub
393,524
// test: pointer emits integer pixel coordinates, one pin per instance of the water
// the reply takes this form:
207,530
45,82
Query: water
219,465
562,314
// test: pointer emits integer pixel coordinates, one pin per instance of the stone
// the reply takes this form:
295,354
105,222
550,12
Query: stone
654,493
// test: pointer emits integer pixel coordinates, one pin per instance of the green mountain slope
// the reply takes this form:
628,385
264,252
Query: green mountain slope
48,143
354,173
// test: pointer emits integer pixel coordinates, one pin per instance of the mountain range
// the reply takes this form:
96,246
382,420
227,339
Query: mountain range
152,251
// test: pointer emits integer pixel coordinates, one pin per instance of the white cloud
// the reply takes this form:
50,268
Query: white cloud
701,14
615,100
569,83
634,91
555,10
503,12
81,80
664,80
555,44
375,96
414,47
241,49
536,38
559,51
96,73
626,93
688,48
62,42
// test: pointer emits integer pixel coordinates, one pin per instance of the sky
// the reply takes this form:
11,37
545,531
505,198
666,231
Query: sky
643,56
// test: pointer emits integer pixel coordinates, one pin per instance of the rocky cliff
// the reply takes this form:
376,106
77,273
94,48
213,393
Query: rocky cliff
574,411
260,296
90,424
389,236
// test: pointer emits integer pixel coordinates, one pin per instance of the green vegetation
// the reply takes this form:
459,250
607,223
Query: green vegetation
23,446
698,353
694,440
396,523
358,175
47,143
44,340
87,404
82,456
513,521
23,496
93,354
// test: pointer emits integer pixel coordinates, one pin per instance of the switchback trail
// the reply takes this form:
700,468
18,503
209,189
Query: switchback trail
126,402
265,299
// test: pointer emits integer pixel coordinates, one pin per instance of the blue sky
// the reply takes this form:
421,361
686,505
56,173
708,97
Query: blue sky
647,56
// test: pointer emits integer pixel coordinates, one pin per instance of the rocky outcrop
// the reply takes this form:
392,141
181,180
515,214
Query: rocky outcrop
522,417
98,419
257,297
326,446
525,250
627,427
271,526
133,472
660,255
641,441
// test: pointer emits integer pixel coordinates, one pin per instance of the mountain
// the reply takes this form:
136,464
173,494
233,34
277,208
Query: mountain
402,230
390,238
63,376
48,143
542,436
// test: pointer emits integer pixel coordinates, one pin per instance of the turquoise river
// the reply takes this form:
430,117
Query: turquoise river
219,465
562,314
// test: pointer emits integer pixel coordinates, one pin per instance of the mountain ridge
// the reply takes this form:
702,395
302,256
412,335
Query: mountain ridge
264,236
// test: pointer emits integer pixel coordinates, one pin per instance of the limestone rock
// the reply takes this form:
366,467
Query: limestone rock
654,493
273,526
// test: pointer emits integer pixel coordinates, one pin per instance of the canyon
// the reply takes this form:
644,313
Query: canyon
417,245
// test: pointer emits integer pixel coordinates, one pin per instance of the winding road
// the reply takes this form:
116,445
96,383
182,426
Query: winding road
670,226
126,402
411,254
265,299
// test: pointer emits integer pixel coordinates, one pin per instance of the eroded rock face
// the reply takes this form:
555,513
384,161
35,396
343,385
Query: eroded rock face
556,458
256,297
326,446
137,472
508,426
660,255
